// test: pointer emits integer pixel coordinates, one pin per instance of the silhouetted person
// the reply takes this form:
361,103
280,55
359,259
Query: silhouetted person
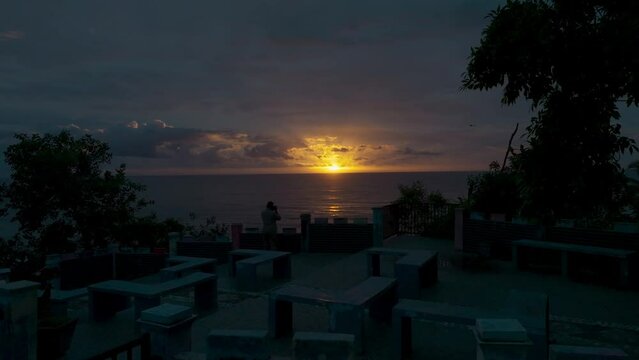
269,225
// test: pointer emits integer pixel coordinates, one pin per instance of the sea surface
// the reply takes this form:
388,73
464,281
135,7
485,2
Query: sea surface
241,198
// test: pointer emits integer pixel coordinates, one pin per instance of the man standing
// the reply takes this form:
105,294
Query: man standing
269,225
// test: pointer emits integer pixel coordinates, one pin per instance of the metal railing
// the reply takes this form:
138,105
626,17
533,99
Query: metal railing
414,219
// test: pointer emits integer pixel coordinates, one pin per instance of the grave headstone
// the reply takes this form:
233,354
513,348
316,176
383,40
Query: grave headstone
170,329
564,352
501,339
19,320
174,237
237,344
378,226
5,274
459,229
314,345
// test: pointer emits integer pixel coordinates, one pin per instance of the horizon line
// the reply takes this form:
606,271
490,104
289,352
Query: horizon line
303,173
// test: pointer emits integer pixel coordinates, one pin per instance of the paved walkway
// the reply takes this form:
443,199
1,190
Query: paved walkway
582,314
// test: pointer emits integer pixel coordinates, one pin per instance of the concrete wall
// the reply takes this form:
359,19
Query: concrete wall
19,320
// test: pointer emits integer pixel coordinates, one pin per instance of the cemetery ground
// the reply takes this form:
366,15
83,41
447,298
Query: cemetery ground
581,313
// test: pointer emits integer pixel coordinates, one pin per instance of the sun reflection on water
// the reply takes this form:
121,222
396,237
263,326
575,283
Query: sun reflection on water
334,209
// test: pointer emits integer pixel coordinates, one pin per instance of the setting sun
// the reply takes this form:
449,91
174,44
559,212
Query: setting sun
333,168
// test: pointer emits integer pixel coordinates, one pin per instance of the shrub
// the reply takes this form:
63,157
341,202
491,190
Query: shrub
60,195
495,191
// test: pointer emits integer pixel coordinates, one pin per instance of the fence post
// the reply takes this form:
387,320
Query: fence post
378,227
174,237
459,229
305,220
236,233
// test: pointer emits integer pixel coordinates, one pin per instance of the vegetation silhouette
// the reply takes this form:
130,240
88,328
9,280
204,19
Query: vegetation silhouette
62,197
573,62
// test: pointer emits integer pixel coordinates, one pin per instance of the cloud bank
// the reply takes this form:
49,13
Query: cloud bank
256,84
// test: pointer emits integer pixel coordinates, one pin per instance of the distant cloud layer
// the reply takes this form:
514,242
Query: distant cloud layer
156,145
255,84
11,35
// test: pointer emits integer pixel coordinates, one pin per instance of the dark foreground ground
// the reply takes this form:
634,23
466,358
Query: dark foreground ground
581,313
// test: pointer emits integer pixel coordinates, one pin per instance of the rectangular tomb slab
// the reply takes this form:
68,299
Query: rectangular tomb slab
500,330
242,344
314,345
166,314
564,352
5,273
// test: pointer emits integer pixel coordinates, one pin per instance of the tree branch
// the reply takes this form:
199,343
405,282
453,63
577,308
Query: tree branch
510,148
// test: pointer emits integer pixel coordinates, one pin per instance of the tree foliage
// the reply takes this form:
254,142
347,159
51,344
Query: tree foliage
632,193
573,61
60,194
495,191
417,194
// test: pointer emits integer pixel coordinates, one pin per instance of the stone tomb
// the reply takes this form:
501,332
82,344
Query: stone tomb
170,329
564,352
19,320
318,345
501,339
237,344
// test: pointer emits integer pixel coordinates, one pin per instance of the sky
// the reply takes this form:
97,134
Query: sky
256,86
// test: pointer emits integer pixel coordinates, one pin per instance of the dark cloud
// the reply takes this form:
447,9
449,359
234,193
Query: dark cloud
411,151
12,35
340,149
243,82
271,150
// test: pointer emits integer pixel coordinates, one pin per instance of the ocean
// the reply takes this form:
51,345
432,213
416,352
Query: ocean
241,198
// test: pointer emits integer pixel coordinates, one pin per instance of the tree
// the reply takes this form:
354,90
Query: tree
632,193
495,191
413,194
60,194
573,61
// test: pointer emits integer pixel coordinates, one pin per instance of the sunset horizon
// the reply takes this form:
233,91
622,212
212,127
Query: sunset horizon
258,85
255,87
319,179
287,171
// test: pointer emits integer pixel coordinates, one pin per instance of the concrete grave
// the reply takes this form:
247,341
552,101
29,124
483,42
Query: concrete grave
501,339
5,273
413,270
318,345
237,344
346,308
19,320
500,330
180,266
533,314
170,329
109,297
244,262
564,352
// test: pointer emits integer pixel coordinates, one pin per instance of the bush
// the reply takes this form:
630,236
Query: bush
443,227
61,196
21,257
419,209
495,191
